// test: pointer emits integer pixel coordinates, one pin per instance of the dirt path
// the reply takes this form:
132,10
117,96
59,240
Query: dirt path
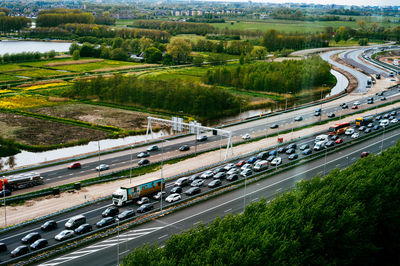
50,204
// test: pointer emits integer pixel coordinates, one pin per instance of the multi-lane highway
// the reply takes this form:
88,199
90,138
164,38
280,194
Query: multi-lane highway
158,231
93,213
121,160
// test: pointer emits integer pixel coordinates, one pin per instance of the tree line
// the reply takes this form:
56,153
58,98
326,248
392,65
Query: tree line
349,217
175,27
9,24
25,57
274,40
75,30
55,17
281,77
174,95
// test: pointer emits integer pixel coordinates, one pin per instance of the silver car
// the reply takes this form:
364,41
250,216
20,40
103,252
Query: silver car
64,235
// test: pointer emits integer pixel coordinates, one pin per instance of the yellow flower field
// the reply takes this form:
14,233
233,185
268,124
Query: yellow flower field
19,101
5,91
44,86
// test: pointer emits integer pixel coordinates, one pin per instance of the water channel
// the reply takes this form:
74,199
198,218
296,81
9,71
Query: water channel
14,46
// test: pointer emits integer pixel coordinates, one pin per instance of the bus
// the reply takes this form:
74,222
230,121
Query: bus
363,121
339,128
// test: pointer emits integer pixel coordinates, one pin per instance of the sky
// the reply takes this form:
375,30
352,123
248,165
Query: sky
329,2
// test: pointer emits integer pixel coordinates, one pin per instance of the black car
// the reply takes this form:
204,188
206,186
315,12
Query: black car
282,150
307,151
110,212
386,116
175,190
83,229
193,191
391,117
194,177
232,177
377,118
30,238
345,106
305,146
105,221
330,143
376,127
290,151
39,244
368,130
379,93
143,162
7,193
49,225
274,126
383,98
202,138
220,175
3,247
293,156
270,158
145,208
126,214
219,170
393,113
331,115
19,251
143,154
262,155
334,137
184,148
214,183
291,146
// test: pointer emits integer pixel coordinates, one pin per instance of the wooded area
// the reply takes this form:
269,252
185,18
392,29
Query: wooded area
350,217
273,40
55,17
173,95
175,27
282,77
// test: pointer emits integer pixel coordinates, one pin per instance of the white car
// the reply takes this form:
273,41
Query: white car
207,174
173,197
102,167
64,235
246,166
143,200
229,166
355,135
356,103
384,123
394,121
349,131
246,136
232,171
276,161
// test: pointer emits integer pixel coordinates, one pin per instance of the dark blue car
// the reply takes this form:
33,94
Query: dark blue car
273,152
307,151
252,160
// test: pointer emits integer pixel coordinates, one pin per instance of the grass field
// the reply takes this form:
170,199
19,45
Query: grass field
37,73
95,65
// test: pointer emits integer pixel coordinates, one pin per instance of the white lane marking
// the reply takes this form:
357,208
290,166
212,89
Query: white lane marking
196,223
228,210
124,252
254,199
279,189
162,236
68,258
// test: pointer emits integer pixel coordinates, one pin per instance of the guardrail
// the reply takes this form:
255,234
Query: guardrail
99,234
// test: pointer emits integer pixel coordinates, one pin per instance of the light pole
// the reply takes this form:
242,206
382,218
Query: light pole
383,136
130,170
286,99
117,242
220,148
162,171
98,145
326,151
4,198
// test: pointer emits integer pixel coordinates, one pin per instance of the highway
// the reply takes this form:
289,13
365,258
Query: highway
159,230
352,57
93,212
122,159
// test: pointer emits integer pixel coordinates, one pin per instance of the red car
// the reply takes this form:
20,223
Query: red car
354,107
74,165
364,154
339,140
241,163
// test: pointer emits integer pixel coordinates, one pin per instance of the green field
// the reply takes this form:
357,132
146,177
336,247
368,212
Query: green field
5,77
37,73
95,65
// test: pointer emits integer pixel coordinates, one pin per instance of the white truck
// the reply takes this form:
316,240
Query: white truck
136,190
262,165
321,138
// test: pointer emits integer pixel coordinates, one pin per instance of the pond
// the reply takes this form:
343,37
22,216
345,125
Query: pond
14,47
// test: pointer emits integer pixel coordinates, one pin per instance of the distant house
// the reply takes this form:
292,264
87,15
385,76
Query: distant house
137,58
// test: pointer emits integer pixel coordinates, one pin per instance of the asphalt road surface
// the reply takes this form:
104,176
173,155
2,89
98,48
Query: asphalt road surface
158,231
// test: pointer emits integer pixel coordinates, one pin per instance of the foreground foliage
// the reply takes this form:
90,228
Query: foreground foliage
351,217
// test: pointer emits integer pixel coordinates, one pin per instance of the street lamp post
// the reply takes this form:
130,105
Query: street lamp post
4,198
162,174
130,170
326,151
98,145
244,198
117,242
383,136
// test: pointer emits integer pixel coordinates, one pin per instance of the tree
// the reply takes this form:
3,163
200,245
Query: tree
145,43
363,41
259,52
180,50
76,55
117,42
119,54
74,46
152,55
